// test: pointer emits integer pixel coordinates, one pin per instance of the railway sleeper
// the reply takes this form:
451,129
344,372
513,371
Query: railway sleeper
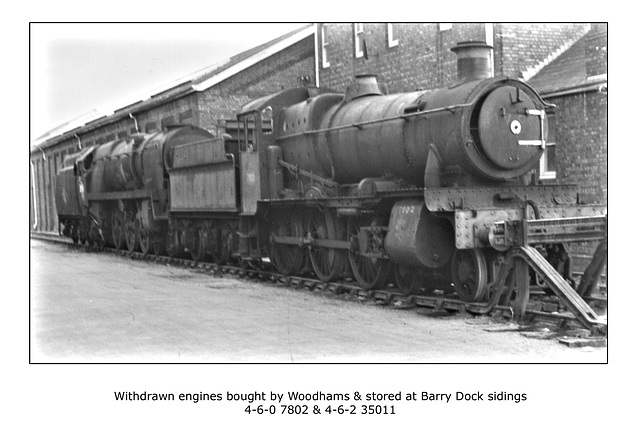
436,305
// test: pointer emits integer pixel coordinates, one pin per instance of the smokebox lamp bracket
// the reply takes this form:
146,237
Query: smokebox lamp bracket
540,113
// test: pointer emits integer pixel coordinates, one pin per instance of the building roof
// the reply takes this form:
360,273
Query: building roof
567,73
195,82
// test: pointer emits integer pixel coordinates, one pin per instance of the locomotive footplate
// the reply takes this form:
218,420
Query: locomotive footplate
495,198
505,234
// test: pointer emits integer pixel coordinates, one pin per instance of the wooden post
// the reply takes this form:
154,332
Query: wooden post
522,288
592,273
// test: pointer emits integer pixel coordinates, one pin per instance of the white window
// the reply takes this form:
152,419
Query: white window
324,43
548,163
548,159
392,38
358,39
445,26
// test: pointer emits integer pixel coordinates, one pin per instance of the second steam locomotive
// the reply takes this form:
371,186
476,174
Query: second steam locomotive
426,189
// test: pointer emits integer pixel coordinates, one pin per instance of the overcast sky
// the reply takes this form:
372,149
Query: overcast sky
76,68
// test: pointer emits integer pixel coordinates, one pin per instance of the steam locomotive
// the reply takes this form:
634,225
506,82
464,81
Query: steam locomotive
419,189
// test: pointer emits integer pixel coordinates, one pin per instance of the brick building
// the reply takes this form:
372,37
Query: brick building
576,82
405,57
567,63
209,98
418,56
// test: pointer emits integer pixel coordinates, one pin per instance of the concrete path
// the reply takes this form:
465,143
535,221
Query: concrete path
98,307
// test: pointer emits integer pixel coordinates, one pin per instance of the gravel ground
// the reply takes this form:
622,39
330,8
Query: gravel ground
98,307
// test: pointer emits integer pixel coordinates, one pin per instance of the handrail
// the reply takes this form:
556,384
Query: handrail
373,122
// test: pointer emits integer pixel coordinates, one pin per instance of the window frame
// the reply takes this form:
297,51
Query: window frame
324,44
545,172
358,40
392,38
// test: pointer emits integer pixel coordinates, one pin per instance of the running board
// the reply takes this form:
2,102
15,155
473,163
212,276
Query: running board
505,234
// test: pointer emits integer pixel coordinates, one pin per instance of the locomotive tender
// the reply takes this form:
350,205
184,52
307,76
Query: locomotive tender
422,189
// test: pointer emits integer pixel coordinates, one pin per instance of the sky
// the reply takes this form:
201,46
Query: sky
76,68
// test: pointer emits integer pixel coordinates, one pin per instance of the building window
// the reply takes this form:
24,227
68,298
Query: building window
358,39
548,159
185,117
149,127
324,42
167,121
445,26
392,37
267,120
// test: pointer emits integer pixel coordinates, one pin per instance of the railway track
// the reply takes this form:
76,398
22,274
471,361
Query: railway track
546,317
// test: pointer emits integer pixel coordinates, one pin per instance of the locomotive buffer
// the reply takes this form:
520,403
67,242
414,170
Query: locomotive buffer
521,237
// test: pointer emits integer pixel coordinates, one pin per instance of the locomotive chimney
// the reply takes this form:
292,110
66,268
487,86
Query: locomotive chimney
474,60
364,84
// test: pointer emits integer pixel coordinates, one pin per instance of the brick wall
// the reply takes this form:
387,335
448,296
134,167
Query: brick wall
291,68
420,60
596,54
519,47
581,134
423,58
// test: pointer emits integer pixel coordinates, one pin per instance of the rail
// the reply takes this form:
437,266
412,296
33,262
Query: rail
516,258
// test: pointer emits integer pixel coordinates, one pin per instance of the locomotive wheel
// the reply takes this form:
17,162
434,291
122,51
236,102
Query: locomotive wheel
370,272
409,281
157,243
74,233
144,238
469,274
172,241
131,232
117,230
220,246
83,233
327,263
288,259
198,243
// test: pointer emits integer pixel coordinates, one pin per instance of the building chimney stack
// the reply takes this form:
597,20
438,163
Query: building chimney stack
474,60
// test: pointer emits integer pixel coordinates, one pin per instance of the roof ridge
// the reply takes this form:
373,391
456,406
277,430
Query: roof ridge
204,76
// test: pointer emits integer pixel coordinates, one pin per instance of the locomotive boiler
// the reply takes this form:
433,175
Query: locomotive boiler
473,133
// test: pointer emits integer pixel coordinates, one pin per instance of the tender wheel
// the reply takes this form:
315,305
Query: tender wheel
327,263
371,272
219,246
117,230
409,281
288,259
469,274
131,232
157,243
144,238
75,236
173,244
198,244
83,232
